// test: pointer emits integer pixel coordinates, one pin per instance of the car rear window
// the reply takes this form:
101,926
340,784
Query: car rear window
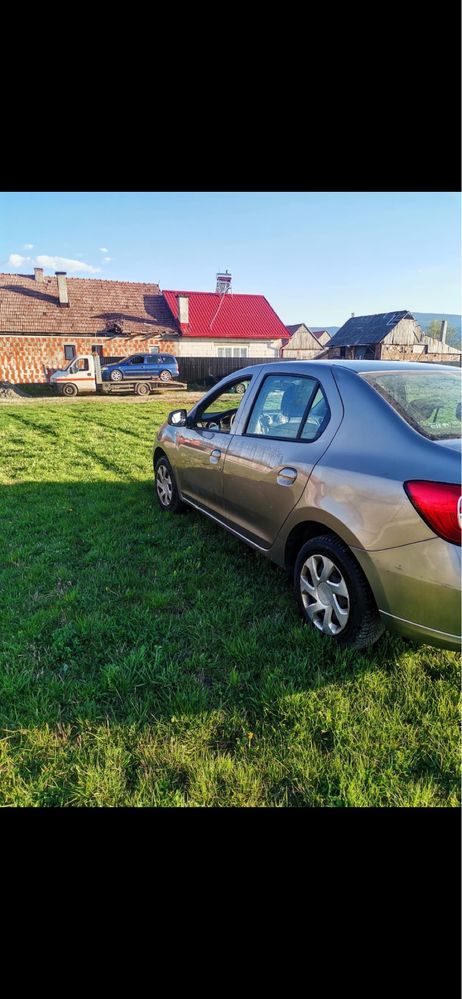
430,401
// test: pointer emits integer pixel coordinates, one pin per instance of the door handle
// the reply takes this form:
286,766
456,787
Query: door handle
286,477
215,456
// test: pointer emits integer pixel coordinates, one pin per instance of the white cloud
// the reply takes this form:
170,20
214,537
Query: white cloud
28,246
107,259
55,263
16,260
66,264
104,249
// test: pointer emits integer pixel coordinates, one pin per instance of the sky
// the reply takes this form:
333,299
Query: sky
317,257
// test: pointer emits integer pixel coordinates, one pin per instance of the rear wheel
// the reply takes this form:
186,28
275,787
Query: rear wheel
333,594
69,389
141,388
166,489
116,375
240,388
165,376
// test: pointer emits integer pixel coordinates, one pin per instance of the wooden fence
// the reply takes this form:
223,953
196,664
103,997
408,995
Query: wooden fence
205,371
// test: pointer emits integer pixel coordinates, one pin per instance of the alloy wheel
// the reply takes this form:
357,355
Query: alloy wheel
164,485
325,594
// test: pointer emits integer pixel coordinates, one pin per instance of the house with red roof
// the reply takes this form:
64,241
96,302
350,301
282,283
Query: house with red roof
45,321
222,324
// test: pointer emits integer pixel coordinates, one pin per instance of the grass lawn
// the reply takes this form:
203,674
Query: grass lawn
148,659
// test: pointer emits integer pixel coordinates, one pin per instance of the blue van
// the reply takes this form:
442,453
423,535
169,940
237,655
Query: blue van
163,366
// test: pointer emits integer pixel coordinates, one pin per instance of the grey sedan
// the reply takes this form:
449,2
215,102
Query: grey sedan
346,473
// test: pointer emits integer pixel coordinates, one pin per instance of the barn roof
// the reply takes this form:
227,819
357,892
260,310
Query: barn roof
367,329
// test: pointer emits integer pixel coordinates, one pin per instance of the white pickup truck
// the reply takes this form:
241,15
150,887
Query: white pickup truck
83,375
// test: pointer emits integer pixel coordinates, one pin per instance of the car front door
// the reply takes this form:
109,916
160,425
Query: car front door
202,447
269,461
135,367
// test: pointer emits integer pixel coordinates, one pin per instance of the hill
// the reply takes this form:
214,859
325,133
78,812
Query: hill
425,318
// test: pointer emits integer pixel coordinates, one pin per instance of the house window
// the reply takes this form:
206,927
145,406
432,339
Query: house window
232,351
97,349
69,351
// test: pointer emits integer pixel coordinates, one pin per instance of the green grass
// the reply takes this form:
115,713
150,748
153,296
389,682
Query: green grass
148,659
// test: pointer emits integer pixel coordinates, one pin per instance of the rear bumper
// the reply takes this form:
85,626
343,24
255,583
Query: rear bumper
417,589
428,636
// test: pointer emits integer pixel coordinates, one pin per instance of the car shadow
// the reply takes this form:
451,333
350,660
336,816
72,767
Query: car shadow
112,607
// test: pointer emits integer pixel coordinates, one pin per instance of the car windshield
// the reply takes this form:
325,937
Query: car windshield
430,401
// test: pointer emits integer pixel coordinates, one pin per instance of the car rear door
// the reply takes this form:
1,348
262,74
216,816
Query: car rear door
269,461
152,365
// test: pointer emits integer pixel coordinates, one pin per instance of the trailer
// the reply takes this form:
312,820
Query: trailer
82,376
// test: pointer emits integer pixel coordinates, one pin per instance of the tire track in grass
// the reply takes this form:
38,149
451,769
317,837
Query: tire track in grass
77,418
110,466
39,428
80,422
93,455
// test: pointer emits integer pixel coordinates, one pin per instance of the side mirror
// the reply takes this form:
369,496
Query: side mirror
177,418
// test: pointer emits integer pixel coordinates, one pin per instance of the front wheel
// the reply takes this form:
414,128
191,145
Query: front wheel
69,389
116,375
166,489
333,594
165,376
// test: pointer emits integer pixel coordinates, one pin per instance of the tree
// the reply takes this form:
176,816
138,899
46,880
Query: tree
452,334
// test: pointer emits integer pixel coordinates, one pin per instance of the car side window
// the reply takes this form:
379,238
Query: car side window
317,417
282,405
138,359
219,413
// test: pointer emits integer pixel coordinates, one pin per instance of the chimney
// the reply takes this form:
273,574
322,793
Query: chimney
223,283
183,309
444,329
62,288
38,274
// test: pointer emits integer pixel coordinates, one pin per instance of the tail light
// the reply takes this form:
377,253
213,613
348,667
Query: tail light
440,506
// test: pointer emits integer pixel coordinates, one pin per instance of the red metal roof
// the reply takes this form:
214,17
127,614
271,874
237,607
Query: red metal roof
228,316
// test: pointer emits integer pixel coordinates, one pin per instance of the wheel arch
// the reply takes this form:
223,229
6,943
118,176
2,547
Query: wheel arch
299,535
158,453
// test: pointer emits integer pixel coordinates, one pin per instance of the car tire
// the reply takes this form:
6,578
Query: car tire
142,388
166,488
240,388
69,389
116,375
333,594
165,376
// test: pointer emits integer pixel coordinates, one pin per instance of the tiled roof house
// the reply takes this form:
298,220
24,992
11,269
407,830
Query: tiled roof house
45,320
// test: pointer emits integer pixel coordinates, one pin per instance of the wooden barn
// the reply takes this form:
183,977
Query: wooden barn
303,344
391,336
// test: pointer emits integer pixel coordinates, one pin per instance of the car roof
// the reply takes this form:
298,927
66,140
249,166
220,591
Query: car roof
304,367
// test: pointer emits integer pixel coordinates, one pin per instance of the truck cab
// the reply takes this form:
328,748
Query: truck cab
79,376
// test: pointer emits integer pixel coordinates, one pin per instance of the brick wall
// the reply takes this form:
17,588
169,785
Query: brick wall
27,359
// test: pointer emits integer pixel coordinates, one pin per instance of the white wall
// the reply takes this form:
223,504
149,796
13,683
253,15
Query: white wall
190,347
